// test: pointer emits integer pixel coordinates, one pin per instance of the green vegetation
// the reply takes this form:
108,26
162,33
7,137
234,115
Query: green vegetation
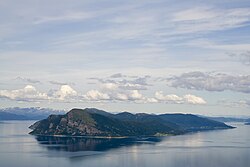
93,122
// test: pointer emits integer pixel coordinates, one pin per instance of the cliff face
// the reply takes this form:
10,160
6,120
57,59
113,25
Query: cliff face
93,122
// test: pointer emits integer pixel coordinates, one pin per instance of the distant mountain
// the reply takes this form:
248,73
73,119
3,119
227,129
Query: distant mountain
94,122
33,113
228,119
248,123
10,116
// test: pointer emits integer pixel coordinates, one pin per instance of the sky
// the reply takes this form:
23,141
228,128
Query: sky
160,56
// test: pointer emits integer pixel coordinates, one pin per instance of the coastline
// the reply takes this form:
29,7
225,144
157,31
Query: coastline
124,137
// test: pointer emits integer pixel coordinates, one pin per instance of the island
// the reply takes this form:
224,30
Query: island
247,123
91,122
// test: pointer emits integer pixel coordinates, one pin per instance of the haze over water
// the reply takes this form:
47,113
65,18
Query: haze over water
216,148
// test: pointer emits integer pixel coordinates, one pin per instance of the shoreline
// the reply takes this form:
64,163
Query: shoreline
127,137
100,137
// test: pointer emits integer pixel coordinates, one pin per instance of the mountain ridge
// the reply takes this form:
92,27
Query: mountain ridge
32,113
95,122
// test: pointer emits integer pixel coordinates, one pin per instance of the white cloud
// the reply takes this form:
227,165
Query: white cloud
121,88
96,95
192,99
152,100
28,93
132,96
159,95
131,86
114,95
64,92
110,86
135,95
121,97
67,94
172,98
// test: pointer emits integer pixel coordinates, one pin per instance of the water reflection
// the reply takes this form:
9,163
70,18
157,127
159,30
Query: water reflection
230,148
74,144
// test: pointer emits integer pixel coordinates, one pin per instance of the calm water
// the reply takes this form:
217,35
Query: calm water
222,148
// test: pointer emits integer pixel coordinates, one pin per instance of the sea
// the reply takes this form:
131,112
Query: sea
216,148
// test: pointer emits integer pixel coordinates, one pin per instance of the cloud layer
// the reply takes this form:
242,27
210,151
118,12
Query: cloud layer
119,81
28,93
67,94
211,82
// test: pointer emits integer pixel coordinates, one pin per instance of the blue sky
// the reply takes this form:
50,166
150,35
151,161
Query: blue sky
140,56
